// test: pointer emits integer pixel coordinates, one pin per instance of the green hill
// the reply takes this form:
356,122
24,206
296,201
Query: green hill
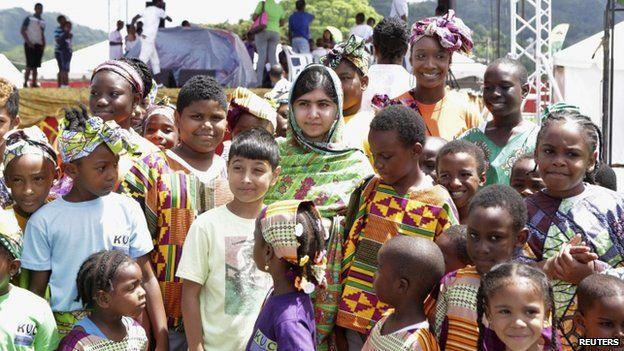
12,43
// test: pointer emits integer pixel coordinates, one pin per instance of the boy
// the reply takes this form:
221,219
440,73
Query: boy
431,149
278,81
217,264
600,311
89,218
362,29
452,243
9,120
524,177
26,321
409,267
401,201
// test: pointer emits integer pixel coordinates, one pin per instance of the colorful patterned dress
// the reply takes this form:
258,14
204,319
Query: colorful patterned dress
80,340
502,158
383,214
598,215
413,338
171,198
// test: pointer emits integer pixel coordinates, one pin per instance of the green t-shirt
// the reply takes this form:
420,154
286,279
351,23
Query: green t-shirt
275,13
26,322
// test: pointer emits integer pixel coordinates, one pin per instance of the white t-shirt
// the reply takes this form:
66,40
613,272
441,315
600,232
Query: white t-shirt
392,80
398,8
151,17
61,235
218,167
218,254
363,31
34,29
115,51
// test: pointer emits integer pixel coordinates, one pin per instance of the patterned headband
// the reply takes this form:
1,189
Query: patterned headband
77,144
352,50
10,233
29,140
165,110
123,69
244,100
450,31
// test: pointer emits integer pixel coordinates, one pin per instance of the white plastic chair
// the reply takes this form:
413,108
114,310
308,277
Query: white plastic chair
296,62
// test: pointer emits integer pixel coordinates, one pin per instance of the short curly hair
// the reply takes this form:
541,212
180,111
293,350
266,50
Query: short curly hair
458,146
505,197
391,36
408,124
201,88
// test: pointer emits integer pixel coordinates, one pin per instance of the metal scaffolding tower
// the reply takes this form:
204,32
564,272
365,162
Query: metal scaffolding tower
531,22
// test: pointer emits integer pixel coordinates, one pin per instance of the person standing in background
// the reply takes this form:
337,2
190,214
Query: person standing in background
115,48
266,40
299,28
131,39
362,29
34,43
399,9
59,41
151,16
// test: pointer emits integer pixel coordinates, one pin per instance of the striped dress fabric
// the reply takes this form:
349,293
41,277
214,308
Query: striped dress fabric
413,338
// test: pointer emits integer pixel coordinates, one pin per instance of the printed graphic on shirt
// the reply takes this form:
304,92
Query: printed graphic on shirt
25,333
245,285
121,242
262,343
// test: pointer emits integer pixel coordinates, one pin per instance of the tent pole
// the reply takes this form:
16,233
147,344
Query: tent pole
606,85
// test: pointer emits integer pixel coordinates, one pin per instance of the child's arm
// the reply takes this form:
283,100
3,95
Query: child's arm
192,317
155,305
38,282
47,337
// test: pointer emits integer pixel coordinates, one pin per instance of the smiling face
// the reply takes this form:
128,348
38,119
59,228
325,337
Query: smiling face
95,174
517,314
604,319
250,179
161,131
112,98
393,161
202,125
30,178
458,173
315,113
563,157
430,62
502,90
491,237
524,179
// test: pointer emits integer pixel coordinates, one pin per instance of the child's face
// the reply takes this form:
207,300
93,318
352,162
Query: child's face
524,179
430,63
429,154
282,120
6,123
250,179
95,174
112,98
502,91
30,178
315,114
128,295
458,173
202,125
604,319
248,121
9,267
352,85
161,131
517,314
384,282
393,160
449,251
563,157
491,237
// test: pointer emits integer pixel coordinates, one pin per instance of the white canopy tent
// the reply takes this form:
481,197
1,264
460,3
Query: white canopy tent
463,66
578,70
10,72
82,64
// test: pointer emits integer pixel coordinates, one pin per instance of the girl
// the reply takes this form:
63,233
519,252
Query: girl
317,166
289,245
159,126
110,285
447,113
570,207
517,301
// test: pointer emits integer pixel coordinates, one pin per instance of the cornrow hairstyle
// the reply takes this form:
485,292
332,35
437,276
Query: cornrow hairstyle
143,71
311,242
408,124
523,75
77,118
595,287
505,197
459,146
9,97
255,144
201,88
501,275
391,36
593,135
97,273
457,235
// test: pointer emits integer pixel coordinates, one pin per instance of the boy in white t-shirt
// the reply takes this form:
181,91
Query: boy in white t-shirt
89,218
217,263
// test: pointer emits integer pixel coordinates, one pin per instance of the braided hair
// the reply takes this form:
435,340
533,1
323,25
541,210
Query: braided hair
501,275
77,118
311,244
97,273
143,71
593,135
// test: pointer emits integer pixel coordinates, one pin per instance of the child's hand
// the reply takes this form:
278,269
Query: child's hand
580,251
568,269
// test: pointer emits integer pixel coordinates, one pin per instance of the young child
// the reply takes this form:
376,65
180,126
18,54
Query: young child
496,232
26,321
217,265
409,267
159,126
110,286
517,301
570,209
279,99
460,168
247,110
524,176
452,243
430,152
507,136
87,219
289,244
600,311
9,120
402,200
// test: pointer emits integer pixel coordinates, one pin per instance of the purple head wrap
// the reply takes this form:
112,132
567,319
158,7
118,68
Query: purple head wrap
450,31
